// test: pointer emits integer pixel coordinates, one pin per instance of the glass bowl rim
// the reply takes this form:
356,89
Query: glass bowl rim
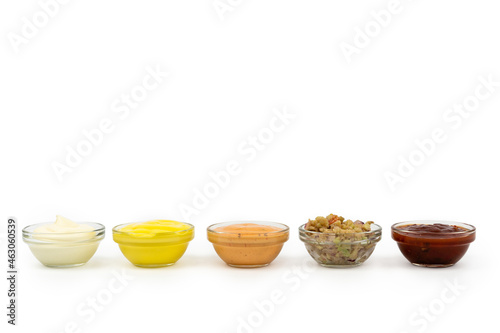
470,229
98,227
28,236
116,228
284,228
373,231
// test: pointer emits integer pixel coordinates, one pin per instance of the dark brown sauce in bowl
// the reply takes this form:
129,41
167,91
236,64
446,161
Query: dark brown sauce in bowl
433,244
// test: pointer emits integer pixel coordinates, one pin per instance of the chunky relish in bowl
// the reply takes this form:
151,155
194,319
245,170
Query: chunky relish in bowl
336,242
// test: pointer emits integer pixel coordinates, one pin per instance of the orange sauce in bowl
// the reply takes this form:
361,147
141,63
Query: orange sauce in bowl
248,244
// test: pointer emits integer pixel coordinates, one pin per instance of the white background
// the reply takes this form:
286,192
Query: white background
352,122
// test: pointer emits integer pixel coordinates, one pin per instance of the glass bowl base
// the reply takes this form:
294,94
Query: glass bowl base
155,265
432,265
65,265
248,266
340,266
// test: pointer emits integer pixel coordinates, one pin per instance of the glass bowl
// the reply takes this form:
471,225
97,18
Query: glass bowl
429,248
246,244
340,250
155,249
63,249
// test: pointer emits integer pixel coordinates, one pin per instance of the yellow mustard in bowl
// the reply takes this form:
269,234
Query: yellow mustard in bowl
155,243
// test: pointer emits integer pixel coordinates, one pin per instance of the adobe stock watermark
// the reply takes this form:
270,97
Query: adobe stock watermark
425,315
223,7
88,310
33,24
292,280
247,150
453,118
121,106
379,20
